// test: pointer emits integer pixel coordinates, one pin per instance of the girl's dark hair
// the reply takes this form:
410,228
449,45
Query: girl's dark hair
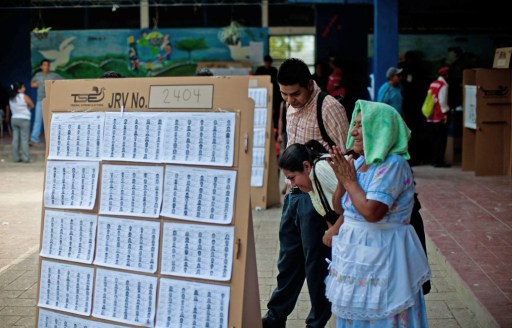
13,91
293,157
292,71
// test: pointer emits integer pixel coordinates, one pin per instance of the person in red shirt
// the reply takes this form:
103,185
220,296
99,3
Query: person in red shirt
438,124
335,85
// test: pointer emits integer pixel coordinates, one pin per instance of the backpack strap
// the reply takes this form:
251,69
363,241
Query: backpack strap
323,132
330,215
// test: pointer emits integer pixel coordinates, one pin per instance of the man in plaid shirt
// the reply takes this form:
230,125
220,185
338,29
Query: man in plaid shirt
302,254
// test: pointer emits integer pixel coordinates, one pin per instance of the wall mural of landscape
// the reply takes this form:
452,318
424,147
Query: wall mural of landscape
149,52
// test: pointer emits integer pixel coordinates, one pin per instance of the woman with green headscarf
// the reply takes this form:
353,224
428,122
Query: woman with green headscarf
378,264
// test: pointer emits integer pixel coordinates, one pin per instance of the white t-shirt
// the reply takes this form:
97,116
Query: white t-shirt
19,107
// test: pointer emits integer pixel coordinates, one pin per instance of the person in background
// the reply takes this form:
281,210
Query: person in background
4,107
335,86
321,75
378,263
301,251
457,64
391,91
437,125
38,82
268,69
20,105
414,83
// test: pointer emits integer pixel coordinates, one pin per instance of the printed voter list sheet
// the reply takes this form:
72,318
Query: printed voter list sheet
125,297
50,319
259,95
131,190
200,138
128,244
198,251
258,140
133,136
66,287
260,117
257,169
71,184
204,195
191,304
76,136
69,236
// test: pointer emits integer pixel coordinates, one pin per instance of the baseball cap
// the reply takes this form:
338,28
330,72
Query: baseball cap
443,70
393,71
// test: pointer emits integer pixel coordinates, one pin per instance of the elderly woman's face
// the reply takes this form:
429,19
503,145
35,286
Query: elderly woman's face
357,133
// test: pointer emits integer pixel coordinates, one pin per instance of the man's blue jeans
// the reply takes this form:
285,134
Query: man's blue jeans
37,128
301,257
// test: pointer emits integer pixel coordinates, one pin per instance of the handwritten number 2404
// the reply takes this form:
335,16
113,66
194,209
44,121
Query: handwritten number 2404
181,95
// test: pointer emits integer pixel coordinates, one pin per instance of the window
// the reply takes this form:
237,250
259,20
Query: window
282,47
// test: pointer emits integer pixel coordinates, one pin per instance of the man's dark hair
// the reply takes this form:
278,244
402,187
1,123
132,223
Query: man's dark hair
268,58
111,75
44,60
293,71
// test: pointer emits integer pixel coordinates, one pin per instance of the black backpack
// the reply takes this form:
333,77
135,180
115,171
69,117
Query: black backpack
331,216
319,102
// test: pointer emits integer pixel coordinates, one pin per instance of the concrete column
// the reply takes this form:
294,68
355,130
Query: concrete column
264,13
385,38
144,14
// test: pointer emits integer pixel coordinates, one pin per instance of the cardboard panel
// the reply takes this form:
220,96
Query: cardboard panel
492,151
268,194
187,94
468,135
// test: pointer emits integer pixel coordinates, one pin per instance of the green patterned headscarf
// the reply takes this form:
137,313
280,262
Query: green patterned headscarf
384,131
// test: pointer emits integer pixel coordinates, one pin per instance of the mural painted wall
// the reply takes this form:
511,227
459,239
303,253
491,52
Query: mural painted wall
149,52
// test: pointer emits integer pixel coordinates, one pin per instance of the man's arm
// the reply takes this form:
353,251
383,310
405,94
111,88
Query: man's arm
35,81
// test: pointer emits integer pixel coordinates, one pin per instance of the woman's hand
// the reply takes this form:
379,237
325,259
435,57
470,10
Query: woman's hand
329,233
332,231
343,168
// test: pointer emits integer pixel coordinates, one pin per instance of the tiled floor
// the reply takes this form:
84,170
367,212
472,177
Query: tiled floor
469,219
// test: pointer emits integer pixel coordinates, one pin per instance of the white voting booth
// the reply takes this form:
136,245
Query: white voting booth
146,217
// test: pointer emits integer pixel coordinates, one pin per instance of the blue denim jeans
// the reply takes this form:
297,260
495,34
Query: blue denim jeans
37,128
301,257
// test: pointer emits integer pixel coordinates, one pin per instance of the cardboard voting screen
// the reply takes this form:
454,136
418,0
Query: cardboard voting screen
146,216
264,176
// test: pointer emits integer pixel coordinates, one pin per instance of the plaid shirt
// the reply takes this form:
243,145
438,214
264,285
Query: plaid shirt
302,124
